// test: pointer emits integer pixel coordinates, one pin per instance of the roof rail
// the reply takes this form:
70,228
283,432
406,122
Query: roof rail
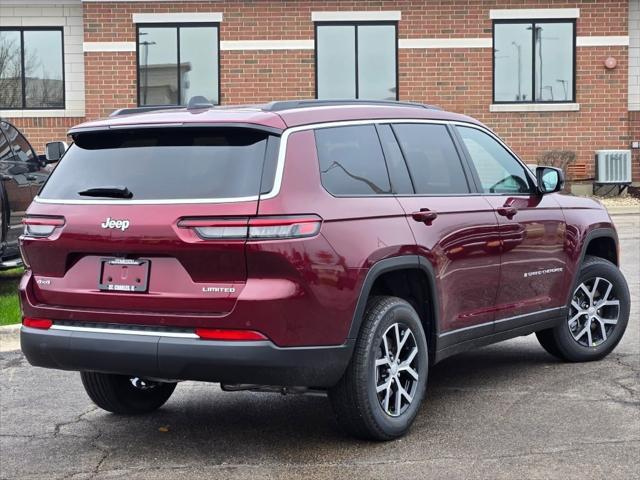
293,104
195,102
128,111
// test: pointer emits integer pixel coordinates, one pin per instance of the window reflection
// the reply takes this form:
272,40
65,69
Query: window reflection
41,83
336,50
44,86
351,161
534,62
377,62
10,70
512,72
199,51
356,61
554,61
168,76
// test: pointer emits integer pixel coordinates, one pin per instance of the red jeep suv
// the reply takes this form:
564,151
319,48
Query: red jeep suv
341,246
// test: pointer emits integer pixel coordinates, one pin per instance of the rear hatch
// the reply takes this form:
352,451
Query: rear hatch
115,226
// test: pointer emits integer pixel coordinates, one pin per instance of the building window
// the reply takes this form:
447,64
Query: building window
177,62
534,62
357,60
31,68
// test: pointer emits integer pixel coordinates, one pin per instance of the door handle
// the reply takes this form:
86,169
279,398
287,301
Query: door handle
508,212
425,216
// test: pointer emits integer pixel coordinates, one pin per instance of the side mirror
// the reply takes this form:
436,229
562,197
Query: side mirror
550,179
54,151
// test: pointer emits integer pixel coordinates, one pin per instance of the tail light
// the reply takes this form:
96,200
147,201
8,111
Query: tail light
284,227
229,335
41,227
40,323
256,228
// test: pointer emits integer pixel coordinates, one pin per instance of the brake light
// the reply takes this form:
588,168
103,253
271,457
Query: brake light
229,335
41,227
37,323
255,228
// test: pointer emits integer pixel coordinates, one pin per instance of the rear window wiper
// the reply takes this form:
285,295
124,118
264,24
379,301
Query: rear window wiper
109,191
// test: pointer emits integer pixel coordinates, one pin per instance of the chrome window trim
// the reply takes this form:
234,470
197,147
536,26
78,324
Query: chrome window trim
284,140
148,333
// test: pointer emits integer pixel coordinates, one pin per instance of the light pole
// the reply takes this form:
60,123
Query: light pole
146,65
564,87
519,50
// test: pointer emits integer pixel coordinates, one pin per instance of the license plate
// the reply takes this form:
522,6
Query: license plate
123,275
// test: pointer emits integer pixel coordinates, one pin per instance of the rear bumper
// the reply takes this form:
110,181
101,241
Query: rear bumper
185,358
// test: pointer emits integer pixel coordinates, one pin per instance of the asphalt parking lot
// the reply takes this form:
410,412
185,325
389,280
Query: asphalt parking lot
504,411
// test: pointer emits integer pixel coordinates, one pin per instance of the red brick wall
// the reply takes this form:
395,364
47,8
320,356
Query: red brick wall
262,76
110,82
456,79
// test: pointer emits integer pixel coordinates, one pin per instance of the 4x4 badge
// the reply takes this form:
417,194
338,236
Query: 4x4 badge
119,224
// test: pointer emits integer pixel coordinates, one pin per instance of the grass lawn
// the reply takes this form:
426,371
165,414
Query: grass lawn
9,306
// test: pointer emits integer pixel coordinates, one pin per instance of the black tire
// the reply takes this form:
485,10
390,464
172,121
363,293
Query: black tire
560,342
117,394
355,400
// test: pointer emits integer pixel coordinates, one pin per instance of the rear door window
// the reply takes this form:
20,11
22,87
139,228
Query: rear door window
351,161
433,161
189,163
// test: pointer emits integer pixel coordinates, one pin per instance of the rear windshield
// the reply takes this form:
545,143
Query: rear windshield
163,163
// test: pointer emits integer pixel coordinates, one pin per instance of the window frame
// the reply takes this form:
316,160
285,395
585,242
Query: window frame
355,24
23,106
531,22
474,172
177,26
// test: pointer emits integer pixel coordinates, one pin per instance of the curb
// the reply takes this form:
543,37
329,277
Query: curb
623,210
9,328
10,337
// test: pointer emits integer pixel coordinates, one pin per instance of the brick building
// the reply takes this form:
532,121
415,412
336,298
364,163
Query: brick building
556,79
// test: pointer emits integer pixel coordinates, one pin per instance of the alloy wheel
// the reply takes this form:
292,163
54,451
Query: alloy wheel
396,369
594,312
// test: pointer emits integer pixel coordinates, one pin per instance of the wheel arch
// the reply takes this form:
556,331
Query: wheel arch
394,276
603,243
598,239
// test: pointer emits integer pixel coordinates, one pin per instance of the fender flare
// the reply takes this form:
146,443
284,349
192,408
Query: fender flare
600,232
388,265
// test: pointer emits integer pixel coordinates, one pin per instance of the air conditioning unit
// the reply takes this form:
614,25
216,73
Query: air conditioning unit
613,166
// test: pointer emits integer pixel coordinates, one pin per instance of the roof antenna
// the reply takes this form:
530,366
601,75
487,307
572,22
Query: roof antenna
199,101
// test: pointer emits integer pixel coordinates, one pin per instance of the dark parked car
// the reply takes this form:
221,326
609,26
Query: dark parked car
306,246
22,173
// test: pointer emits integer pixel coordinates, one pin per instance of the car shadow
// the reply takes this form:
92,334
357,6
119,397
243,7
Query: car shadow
271,426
